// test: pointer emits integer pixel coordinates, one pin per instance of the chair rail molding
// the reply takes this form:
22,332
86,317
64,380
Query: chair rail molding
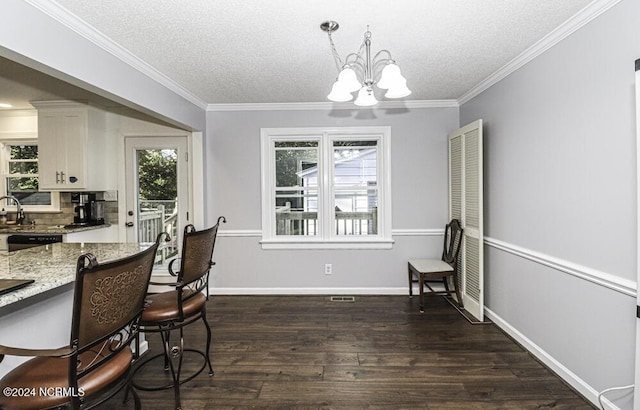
247,233
240,233
613,282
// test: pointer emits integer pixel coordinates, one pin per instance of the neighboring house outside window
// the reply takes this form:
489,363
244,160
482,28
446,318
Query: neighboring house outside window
20,178
326,188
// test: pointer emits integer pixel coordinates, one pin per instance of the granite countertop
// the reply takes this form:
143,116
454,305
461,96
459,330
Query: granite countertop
54,265
47,229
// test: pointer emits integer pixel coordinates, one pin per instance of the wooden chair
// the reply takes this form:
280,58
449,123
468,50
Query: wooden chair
108,302
422,271
184,304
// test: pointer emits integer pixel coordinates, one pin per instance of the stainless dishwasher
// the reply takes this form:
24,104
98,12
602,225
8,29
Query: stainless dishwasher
24,241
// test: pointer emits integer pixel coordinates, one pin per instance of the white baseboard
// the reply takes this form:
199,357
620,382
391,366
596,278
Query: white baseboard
309,291
567,375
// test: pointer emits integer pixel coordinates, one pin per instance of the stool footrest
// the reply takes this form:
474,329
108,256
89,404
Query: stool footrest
170,385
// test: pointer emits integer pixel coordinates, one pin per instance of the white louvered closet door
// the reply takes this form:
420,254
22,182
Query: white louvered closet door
465,204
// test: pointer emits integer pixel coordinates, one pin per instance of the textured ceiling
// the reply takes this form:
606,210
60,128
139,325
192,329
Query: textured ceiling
256,51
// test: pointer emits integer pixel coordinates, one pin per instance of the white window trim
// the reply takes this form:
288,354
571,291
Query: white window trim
55,196
268,136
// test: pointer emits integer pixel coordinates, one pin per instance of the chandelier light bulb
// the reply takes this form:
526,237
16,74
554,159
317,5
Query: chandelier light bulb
339,93
349,80
390,76
365,97
398,90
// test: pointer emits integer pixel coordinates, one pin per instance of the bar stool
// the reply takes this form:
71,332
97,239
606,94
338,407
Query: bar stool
107,305
184,304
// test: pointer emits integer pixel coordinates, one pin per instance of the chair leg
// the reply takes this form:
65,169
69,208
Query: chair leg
206,324
410,282
136,399
174,352
455,283
421,283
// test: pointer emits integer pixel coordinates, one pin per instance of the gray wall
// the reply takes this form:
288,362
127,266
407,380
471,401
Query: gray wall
419,196
560,184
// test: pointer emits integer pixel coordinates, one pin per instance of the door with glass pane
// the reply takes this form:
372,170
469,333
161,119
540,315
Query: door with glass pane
157,196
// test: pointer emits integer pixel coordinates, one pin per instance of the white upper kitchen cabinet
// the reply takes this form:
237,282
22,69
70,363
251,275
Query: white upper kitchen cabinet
72,147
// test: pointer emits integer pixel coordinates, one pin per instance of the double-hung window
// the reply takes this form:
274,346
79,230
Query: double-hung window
326,188
20,177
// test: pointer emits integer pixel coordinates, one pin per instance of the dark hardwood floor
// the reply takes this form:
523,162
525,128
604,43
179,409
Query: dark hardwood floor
379,352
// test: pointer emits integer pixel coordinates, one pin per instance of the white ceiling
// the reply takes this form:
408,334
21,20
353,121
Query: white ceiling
257,51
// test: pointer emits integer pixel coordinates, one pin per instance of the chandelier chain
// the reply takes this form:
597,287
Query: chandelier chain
336,56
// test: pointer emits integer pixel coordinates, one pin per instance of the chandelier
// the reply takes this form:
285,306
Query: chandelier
360,72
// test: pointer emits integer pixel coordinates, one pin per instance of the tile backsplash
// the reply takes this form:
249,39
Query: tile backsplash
65,216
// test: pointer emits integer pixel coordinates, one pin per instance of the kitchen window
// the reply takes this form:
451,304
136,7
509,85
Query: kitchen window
20,178
326,188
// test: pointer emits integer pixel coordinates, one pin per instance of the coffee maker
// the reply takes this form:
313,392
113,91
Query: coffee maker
88,210
81,209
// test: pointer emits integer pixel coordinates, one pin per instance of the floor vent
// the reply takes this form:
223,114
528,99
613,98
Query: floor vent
343,299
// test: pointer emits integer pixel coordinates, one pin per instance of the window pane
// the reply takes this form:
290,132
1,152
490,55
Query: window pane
296,167
24,152
23,167
27,184
26,190
297,212
356,164
296,144
33,198
346,143
356,211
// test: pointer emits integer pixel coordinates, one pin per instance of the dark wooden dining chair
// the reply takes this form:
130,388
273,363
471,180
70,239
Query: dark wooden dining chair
422,271
107,306
183,304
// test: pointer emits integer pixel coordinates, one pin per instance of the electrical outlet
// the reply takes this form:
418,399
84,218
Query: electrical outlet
110,195
328,269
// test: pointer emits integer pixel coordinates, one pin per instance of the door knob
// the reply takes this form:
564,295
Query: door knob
129,224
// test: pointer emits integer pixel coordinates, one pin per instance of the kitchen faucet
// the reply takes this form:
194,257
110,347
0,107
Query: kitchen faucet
19,211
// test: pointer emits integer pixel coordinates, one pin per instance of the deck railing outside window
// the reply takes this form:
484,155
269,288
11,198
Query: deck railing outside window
295,222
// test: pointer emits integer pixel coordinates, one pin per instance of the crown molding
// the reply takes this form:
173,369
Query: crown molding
584,16
65,17
62,15
330,106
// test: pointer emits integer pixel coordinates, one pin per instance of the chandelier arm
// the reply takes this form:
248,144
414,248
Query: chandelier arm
355,57
389,58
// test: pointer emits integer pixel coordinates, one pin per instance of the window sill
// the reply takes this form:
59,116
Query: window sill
334,244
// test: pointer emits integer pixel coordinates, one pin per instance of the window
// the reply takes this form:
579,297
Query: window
20,177
326,188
